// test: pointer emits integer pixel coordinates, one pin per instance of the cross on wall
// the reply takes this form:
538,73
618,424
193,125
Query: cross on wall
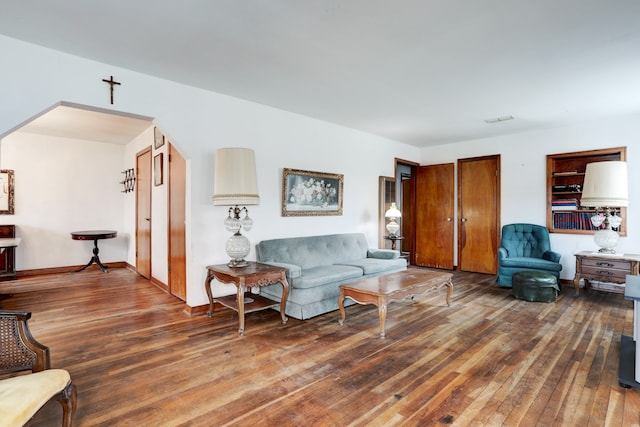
111,83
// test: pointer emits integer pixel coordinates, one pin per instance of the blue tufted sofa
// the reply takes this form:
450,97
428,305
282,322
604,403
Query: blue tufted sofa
318,265
525,247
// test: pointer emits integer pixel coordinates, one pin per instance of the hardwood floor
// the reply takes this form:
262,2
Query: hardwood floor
488,360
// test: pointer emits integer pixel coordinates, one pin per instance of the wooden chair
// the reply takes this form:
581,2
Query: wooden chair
21,396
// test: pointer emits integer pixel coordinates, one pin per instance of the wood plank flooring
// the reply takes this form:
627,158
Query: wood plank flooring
488,360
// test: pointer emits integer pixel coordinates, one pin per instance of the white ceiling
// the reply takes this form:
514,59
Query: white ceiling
78,122
424,72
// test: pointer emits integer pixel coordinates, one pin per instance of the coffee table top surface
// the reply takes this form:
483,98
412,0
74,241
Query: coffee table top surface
399,281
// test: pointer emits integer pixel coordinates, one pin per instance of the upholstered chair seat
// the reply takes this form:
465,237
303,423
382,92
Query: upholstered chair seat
27,381
525,247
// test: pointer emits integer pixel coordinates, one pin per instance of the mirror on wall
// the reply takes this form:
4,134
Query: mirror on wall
386,196
6,192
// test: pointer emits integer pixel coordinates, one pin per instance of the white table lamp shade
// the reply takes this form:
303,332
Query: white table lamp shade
235,178
393,211
605,185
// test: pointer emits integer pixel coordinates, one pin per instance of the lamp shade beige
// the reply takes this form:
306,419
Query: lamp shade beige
235,177
605,185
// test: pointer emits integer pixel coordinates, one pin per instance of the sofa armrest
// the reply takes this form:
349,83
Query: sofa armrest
383,254
502,253
293,271
551,256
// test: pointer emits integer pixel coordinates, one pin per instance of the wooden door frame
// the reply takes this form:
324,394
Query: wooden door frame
171,203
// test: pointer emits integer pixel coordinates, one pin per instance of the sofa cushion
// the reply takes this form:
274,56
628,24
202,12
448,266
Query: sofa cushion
313,251
375,265
325,274
383,254
293,271
535,263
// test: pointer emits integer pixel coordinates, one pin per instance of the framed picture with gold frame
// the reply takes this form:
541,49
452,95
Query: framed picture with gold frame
307,193
6,192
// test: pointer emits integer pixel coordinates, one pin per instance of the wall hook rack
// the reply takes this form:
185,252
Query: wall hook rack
129,180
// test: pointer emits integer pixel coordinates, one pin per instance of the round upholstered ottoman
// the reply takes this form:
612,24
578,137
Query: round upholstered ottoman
535,286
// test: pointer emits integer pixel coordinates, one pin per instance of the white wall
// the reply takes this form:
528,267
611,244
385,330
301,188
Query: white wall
159,223
64,185
198,122
523,173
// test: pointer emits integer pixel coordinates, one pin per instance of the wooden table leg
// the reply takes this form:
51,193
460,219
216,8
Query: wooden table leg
343,314
382,314
285,296
240,303
576,284
207,287
449,286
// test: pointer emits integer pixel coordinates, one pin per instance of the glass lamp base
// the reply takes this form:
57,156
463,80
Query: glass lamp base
607,240
393,228
237,248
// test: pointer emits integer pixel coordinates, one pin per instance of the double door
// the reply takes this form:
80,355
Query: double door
478,215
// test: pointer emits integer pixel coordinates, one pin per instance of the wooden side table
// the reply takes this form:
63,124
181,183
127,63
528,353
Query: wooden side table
253,275
394,239
604,268
94,235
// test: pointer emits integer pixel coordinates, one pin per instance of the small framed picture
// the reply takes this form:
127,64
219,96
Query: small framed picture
158,171
158,138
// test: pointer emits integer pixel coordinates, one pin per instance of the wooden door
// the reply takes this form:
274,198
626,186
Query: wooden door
177,205
434,216
479,214
143,213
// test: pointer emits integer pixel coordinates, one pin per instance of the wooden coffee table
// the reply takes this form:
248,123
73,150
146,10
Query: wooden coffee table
381,290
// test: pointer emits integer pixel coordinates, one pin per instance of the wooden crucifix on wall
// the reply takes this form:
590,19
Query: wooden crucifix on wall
111,83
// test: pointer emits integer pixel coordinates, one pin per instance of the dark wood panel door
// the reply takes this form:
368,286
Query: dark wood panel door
479,214
434,216
143,213
177,245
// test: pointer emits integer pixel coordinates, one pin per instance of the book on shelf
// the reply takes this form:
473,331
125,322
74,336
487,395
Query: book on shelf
569,188
565,173
564,204
570,201
572,220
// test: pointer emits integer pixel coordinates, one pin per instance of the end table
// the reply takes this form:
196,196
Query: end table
394,239
253,275
604,268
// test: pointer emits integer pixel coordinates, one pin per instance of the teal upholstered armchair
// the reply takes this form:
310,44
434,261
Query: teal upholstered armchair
525,247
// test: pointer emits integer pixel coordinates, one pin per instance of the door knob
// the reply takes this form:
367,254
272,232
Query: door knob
463,219
449,219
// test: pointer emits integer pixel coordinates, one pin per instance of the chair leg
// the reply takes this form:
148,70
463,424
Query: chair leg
67,399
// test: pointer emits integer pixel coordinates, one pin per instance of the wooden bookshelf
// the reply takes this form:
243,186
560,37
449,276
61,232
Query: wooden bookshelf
565,176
